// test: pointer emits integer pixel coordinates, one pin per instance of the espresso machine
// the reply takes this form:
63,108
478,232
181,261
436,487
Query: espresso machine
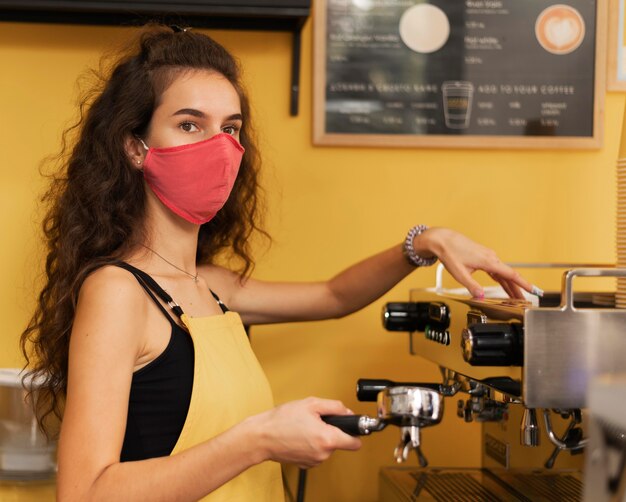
521,368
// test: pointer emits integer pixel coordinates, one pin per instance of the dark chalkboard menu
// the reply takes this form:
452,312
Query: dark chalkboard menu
465,73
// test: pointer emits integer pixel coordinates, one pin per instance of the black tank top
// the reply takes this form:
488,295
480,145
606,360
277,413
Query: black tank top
160,392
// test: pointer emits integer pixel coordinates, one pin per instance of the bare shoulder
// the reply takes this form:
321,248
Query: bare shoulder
110,297
111,285
110,279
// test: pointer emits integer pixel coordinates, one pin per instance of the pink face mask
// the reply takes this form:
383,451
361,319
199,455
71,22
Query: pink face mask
194,180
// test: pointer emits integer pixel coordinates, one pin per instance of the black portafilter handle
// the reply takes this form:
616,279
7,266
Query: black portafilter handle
367,389
347,423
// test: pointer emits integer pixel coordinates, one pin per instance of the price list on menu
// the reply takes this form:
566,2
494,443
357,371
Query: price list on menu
460,67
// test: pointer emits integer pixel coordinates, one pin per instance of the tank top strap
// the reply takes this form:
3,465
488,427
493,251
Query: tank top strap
150,286
221,304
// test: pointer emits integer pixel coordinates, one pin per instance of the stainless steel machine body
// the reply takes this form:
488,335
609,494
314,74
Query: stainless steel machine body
565,341
524,370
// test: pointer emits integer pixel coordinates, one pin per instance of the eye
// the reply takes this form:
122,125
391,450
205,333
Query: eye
231,129
188,126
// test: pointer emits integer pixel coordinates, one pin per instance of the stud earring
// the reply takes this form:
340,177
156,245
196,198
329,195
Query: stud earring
138,161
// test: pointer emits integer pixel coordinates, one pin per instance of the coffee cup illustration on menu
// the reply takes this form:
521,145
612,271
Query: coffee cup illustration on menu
560,29
457,103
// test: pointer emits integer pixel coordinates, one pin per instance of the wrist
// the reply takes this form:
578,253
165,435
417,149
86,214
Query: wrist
423,245
418,248
253,432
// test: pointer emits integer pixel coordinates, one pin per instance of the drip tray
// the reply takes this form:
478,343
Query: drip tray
473,485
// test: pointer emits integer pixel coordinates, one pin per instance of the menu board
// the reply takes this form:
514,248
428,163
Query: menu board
617,47
486,73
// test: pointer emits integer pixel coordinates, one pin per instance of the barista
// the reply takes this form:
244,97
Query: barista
139,332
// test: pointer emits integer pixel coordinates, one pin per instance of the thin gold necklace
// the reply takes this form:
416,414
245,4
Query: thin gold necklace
194,277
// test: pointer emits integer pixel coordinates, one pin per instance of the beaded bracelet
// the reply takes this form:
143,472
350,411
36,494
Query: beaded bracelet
409,251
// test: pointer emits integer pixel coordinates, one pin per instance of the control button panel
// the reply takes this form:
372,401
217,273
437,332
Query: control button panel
431,318
439,336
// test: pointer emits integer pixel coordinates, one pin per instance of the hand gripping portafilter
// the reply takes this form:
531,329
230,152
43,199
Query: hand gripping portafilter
409,406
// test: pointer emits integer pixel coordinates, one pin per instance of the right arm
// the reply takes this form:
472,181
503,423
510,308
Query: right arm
105,343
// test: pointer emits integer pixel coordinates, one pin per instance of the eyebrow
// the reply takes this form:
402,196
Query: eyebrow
202,115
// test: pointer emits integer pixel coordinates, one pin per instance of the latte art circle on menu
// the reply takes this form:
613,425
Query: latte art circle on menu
560,29
424,28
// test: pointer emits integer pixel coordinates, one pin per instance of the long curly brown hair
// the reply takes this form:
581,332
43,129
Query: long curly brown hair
97,199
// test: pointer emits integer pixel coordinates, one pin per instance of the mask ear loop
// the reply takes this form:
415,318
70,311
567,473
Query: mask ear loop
144,145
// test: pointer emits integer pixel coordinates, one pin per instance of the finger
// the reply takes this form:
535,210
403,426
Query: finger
352,443
504,285
461,274
517,292
343,441
504,271
328,406
511,289
519,282
514,291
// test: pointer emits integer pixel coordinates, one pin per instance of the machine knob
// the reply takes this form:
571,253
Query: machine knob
405,316
493,344
415,316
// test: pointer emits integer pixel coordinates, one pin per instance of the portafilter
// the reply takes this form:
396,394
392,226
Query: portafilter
409,406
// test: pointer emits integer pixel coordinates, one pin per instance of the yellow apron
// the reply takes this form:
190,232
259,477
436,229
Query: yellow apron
228,386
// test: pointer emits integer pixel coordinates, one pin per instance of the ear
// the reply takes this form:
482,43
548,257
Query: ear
135,151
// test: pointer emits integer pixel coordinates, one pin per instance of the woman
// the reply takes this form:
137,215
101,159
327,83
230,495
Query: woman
161,395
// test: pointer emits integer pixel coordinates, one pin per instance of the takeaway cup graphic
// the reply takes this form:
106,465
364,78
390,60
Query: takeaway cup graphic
457,103
560,29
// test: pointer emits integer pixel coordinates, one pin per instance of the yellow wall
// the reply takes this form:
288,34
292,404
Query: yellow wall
328,207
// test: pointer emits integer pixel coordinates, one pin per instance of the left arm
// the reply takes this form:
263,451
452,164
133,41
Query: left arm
261,302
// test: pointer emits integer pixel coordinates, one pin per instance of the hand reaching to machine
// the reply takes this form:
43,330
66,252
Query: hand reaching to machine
461,256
